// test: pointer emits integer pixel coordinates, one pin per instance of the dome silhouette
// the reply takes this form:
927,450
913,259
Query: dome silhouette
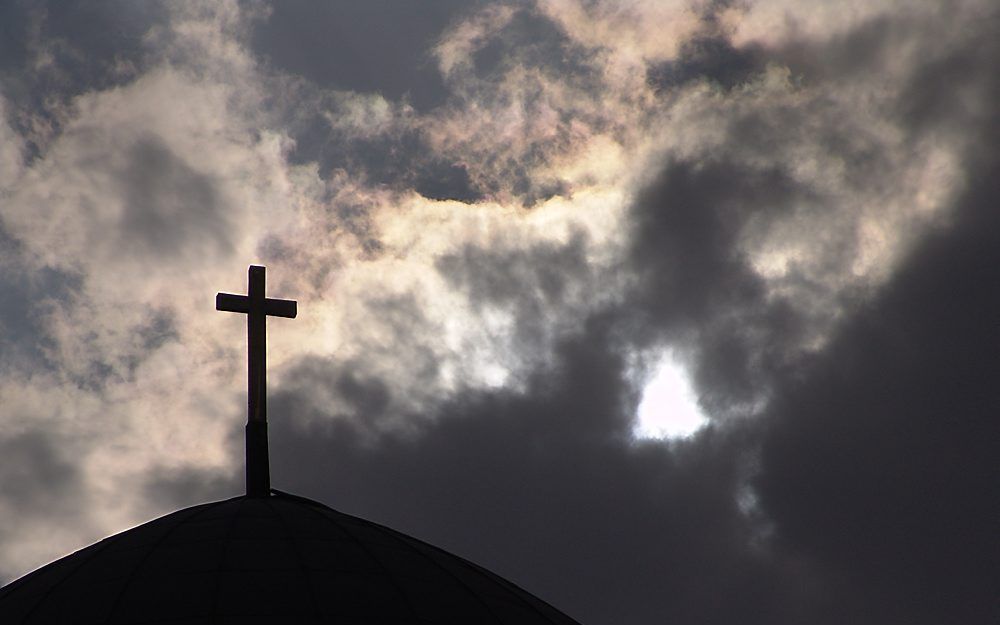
276,559
267,556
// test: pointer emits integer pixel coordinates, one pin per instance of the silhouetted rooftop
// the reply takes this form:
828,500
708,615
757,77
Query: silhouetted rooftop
277,559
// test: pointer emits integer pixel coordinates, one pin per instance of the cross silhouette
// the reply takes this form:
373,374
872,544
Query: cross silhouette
257,308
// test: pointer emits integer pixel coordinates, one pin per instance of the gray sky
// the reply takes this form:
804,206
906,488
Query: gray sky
525,238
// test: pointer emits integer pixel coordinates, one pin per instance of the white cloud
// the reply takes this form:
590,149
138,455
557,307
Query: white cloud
160,191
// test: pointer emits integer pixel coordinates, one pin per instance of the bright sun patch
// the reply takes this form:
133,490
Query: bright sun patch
669,406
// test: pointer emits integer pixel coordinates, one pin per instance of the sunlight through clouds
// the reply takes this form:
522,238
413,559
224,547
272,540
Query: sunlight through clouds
669,406
637,216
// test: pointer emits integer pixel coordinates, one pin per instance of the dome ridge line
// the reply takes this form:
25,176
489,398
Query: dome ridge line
412,543
228,559
230,528
361,545
98,548
290,539
201,509
513,588
396,536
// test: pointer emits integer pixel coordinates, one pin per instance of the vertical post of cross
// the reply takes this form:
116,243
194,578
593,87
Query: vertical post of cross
258,460
257,308
256,347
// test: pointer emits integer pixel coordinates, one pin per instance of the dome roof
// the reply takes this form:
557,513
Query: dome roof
276,559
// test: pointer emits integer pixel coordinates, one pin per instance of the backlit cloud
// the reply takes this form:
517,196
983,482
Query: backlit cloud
499,219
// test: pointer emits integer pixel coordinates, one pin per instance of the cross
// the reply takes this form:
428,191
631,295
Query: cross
257,308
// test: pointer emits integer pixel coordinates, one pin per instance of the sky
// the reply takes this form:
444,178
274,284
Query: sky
679,311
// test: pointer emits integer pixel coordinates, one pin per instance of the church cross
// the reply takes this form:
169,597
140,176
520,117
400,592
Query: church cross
257,308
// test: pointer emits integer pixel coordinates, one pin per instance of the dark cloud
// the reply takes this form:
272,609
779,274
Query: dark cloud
549,489
852,54
377,46
536,283
709,55
859,492
25,295
446,181
33,296
157,328
399,159
95,368
879,462
167,489
361,395
687,227
548,485
710,58
37,472
692,224
40,482
517,278
950,91
53,51
170,207
394,153
856,488
697,285
529,39
399,153
874,484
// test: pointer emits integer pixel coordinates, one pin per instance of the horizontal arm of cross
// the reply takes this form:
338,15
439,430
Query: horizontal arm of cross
231,302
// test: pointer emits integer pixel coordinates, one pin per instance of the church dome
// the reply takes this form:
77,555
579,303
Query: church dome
267,557
274,559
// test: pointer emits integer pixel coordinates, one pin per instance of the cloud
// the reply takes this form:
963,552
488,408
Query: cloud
876,463
169,205
342,46
43,486
545,486
28,293
53,52
495,218
771,224
540,285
